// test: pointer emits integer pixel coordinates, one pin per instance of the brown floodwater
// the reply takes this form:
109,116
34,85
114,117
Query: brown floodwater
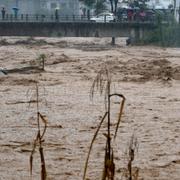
149,78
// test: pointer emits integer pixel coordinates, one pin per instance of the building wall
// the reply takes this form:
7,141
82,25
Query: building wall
79,29
24,6
160,3
66,7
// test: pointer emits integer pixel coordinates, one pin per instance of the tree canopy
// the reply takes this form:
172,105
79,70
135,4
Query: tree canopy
97,5
89,3
113,5
138,3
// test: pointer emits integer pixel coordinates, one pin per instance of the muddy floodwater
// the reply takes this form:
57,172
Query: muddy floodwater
149,78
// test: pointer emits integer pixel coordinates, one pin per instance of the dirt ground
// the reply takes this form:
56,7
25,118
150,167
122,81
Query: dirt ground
149,78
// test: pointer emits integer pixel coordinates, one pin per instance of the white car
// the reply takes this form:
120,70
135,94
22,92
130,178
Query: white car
103,17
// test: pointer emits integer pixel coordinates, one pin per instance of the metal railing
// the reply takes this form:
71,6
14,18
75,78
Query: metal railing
69,18
42,18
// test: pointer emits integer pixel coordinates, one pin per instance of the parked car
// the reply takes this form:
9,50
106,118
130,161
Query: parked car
103,17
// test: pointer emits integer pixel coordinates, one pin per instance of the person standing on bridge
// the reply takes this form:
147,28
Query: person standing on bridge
56,14
3,11
15,9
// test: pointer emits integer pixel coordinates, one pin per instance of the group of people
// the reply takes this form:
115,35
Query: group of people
134,15
3,12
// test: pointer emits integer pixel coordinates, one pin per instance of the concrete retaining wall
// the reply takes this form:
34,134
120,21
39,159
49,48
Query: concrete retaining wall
75,29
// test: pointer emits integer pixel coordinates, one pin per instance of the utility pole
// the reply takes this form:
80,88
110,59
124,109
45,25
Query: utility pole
177,10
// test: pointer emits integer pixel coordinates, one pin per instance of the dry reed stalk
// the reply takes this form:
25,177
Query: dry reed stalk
39,139
109,165
92,142
120,111
131,152
102,83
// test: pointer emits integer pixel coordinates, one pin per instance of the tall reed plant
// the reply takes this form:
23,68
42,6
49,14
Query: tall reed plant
102,84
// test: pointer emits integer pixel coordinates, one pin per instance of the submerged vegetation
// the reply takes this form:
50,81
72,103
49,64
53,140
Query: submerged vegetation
164,35
39,139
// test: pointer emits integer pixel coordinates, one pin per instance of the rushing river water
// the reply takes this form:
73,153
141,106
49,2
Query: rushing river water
147,76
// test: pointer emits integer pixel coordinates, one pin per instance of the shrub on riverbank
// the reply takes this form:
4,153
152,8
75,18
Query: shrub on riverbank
166,34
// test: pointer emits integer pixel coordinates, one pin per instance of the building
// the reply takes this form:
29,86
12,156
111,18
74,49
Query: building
66,7
24,6
160,4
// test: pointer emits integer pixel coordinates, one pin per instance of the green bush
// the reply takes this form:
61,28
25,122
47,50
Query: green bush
166,34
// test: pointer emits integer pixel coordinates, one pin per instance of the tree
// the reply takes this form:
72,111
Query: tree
113,6
99,6
89,3
138,3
